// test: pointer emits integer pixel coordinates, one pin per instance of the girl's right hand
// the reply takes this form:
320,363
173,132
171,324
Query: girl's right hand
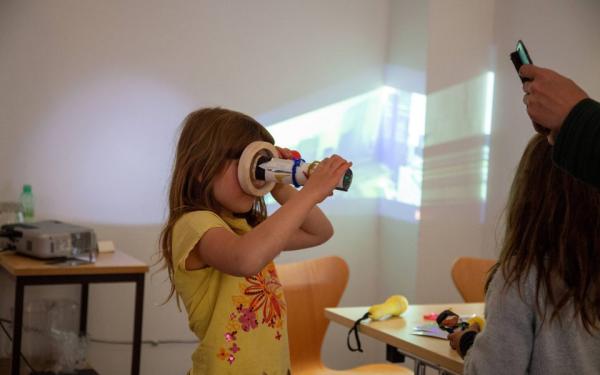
325,177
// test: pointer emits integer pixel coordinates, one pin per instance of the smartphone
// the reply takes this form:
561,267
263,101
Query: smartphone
520,57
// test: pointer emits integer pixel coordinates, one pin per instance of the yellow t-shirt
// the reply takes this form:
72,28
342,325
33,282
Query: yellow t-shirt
240,321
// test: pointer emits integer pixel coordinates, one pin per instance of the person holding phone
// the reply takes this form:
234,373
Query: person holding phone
559,105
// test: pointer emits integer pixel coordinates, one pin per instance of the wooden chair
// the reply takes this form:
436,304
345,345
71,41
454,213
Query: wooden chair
469,276
310,286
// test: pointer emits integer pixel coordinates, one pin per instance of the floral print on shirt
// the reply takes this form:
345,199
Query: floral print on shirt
260,302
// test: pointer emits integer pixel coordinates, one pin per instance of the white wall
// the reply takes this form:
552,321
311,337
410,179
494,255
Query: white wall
565,37
93,93
458,59
465,40
406,70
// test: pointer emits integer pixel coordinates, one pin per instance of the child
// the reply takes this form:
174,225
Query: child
543,296
218,244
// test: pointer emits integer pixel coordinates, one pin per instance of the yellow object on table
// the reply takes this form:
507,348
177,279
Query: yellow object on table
395,305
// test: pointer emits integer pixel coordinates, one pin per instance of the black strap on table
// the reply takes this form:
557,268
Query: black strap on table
355,330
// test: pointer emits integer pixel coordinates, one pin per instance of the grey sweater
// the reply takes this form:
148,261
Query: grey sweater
515,342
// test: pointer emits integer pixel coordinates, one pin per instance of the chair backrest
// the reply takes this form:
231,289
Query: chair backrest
469,276
309,287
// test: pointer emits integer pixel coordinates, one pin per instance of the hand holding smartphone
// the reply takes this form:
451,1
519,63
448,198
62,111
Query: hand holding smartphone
520,57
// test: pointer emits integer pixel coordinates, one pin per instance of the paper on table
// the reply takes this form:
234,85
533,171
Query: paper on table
433,330
430,329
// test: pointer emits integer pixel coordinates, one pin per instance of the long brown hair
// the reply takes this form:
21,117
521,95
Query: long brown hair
209,138
553,225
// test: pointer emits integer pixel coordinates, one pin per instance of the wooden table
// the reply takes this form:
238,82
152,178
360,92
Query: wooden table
109,268
397,333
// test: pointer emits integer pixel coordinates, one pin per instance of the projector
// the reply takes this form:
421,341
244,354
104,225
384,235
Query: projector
52,239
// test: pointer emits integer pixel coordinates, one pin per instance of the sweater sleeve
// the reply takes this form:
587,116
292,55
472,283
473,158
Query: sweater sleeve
505,345
577,148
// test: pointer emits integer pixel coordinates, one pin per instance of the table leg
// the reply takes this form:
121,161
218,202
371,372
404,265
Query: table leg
83,310
137,324
393,355
17,326
419,367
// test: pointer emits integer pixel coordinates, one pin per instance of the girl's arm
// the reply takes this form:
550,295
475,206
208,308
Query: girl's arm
316,228
248,254
506,343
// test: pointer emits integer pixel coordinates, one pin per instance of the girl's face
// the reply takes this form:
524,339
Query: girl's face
229,193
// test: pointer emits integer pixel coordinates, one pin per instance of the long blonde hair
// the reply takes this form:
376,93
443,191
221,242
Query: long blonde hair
209,138
553,225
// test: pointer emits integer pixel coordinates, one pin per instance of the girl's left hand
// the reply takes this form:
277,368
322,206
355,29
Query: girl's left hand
286,153
455,337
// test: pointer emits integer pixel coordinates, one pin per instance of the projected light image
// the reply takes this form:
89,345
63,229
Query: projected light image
381,132
459,123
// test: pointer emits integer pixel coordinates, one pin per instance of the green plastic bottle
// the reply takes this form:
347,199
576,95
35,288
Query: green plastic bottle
27,203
